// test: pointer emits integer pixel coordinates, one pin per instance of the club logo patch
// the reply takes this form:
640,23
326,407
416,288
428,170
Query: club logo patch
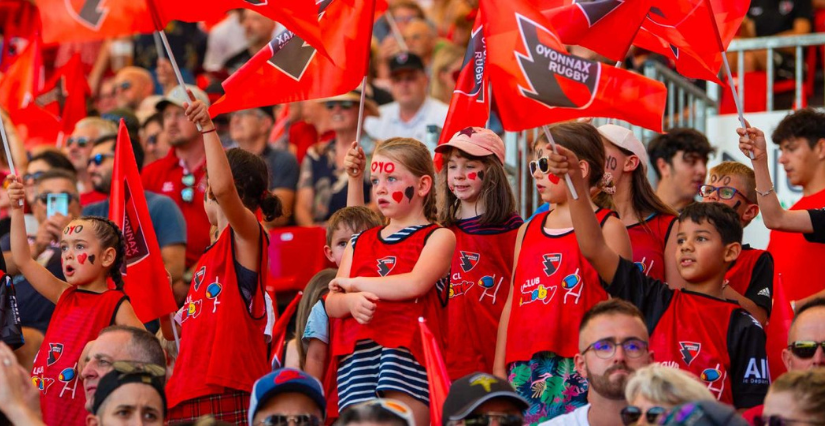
55,351
468,260
198,278
551,263
689,351
386,265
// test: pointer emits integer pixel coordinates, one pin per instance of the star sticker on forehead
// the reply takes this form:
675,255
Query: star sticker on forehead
469,131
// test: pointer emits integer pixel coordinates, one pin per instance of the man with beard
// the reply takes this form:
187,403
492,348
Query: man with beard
613,343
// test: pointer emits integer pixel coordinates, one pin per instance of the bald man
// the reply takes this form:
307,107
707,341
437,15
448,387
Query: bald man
421,37
132,86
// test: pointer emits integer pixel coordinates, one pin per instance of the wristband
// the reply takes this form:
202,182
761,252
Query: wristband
209,131
766,193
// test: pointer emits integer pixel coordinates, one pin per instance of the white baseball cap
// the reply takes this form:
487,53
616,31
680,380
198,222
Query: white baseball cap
624,138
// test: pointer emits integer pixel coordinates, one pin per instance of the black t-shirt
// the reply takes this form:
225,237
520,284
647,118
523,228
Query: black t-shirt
818,222
760,289
35,310
745,337
775,16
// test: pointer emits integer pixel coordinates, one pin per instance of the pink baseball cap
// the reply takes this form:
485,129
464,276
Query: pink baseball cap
624,138
476,141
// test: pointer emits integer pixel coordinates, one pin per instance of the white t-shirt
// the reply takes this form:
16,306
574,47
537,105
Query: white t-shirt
577,417
390,125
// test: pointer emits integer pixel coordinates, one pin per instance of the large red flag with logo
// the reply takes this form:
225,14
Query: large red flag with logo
22,81
606,27
144,274
693,33
439,380
289,70
537,82
777,329
470,104
65,94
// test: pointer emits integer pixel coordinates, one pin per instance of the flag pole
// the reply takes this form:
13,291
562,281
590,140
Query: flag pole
158,44
359,130
175,331
396,33
736,99
567,179
7,149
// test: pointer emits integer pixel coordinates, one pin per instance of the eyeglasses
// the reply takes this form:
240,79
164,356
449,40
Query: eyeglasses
187,194
98,159
487,419
122,87
345,105
152,140
606,348
780,421
132,367
805,349
393,407
725,192
631,414
44,196
542,164
80,141
32,176
299,419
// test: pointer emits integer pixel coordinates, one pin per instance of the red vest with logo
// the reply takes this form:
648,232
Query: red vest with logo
648,240
740,274
554,285
222,346
479,285
800,262
693,335
394,323
78,317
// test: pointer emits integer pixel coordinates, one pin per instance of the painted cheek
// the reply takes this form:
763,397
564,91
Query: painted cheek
553,179
472,176
81,258
409,192
398,196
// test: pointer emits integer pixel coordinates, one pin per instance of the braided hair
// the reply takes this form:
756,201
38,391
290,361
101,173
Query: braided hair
110,236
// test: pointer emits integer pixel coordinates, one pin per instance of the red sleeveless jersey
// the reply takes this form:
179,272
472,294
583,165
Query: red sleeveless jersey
740,273
692,335
800,262
479,285
648,240
554,285
222,345
394,323
78,317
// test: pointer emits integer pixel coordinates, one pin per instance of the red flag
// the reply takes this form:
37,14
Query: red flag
693,33
537,82
606,27
437,375
64,95
279,330
22,80
294,68
144,273
777,329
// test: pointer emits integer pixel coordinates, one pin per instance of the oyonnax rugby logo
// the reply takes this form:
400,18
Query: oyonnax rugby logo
476,59
290,53
597,10
385,265
468,260
90,13
555,78
551,263
689,351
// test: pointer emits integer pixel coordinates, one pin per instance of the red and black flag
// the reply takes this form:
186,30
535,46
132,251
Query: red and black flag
288,69
537,82
65,94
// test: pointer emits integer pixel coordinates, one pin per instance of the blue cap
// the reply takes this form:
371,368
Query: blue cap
282,381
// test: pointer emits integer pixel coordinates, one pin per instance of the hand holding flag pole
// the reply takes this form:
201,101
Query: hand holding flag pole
736,99
178,75
567,179
7,149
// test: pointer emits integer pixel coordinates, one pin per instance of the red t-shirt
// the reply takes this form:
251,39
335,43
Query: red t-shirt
751,275
167,176
78,317
222,345
91,197
554,285
799,261
648,240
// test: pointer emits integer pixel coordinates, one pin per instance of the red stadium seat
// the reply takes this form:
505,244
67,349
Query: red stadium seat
295,255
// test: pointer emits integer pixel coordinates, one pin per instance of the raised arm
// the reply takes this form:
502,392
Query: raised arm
774,216
40,278
354,164
589,234
432,265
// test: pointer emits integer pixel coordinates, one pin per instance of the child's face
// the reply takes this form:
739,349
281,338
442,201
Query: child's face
700,252
340,238
738,203
465,177
548,185
81,255
395,189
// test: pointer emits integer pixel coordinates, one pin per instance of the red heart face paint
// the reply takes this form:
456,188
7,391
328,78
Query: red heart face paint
81,258
398,196
472,176
553,178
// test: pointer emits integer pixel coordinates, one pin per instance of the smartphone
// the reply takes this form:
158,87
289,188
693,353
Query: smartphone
57,203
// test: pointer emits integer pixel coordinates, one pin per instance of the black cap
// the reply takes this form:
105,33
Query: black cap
469,392
406,61
115,379
704,413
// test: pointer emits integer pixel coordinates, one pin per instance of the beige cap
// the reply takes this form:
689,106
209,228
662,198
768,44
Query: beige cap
177,97
624,138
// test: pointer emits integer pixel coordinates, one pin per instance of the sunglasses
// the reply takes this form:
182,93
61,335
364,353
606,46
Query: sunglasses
187,194
152,140
779,421
725,192
299,419
805,349
131,367
606,348
631,414
32,176
44,197
487,419
542,165
80,141
98,159
345,105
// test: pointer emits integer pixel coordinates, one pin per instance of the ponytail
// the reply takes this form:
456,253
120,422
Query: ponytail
110,236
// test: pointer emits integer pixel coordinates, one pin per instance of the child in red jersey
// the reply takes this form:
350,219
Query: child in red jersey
749,281
648,219
92,254
389,277
477,204
553,285
694,329
223,348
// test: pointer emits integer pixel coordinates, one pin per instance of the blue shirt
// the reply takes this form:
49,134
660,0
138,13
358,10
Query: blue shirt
167,219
